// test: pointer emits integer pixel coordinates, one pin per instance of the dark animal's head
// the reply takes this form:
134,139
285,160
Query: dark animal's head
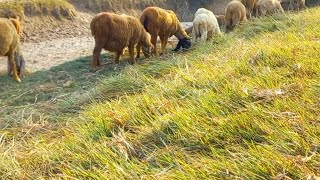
185,43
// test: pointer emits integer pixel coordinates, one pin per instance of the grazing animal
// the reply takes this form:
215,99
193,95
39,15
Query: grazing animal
268,7
221,19
164,23
250,7
114,32
205,25
297,5
235,13
10,30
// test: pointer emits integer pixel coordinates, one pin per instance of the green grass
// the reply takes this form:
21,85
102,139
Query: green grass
245,105
38,7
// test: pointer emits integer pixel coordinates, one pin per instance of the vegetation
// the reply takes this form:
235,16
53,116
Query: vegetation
56,8
245,105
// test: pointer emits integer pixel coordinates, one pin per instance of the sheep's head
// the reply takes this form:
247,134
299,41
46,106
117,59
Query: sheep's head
147,50
185,43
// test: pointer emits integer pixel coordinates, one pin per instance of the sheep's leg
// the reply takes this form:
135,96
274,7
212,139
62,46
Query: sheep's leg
164,41
138,50
194,33
204,34
118,54
131,53
154,42
9,67
96,57
14,67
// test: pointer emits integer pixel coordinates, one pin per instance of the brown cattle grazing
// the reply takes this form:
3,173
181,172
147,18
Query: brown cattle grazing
164,23
250,6
297,5
235,13
268,7
10,46
114,32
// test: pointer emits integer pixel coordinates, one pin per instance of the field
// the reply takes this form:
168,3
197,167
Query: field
241,106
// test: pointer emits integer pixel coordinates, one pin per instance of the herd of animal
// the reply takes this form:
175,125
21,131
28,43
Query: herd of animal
115,32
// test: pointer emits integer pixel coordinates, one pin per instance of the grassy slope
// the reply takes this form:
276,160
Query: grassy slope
245,105
37,7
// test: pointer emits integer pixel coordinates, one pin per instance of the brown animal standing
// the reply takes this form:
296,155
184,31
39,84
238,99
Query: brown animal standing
10,30
235,13
268,7
114,32
164,23
250,7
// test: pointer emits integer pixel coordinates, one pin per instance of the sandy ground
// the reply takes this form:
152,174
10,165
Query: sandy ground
49,53
46,54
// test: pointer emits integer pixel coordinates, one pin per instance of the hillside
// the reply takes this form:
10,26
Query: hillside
241,106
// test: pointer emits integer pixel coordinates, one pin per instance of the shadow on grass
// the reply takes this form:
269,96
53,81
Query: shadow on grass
66,88
46,90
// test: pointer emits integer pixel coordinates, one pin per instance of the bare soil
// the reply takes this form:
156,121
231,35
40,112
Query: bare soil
56,48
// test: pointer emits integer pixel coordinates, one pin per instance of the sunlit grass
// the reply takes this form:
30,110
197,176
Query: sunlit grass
245,105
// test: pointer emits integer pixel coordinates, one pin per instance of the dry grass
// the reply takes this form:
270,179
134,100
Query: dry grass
241,106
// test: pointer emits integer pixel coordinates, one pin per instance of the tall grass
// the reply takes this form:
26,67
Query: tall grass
241,106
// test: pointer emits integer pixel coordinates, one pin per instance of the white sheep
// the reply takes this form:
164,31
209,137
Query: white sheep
205,25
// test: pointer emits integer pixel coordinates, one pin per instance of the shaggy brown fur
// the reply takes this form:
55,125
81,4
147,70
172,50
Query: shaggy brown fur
19,59
297,5
250,7
268,7
235,13
114,32
163,23
9,43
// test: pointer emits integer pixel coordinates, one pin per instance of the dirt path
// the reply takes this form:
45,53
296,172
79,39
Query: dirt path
47,54
44,55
